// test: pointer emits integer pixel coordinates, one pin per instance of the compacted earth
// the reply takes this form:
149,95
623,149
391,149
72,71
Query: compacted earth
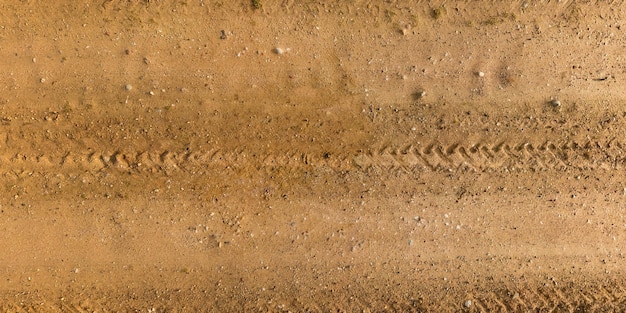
312,156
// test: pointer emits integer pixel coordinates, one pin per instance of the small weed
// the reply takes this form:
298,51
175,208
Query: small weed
256,4
389,14
437,13
67,108
492,21
500,18
573,15
506,78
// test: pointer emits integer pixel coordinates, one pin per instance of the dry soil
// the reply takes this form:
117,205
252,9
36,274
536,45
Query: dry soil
312,156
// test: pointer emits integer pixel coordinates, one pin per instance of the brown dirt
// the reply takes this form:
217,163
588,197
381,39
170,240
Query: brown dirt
161,156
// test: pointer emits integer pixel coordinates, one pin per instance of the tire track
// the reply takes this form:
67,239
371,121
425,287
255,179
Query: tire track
551,299
505,156
587,298
436,156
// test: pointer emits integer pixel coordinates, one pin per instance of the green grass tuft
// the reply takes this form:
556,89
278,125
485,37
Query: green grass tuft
437,13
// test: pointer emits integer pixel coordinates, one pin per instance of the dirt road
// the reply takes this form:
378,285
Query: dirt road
352,156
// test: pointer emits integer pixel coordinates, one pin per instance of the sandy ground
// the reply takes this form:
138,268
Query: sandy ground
312,156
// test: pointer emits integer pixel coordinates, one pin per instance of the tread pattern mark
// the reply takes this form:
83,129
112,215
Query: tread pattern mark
498,156
408,158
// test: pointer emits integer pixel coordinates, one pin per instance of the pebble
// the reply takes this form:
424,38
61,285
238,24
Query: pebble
128,87
481,74
279,51
419,94
555,103
468,303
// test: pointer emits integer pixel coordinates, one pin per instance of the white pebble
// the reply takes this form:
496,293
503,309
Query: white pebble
481,74
129,87
468,303
419,94
279,51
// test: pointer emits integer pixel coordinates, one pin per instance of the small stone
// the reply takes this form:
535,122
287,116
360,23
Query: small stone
468,303
419,94
128,87
223,35
151,93
481,74
555,103
278,51
42,80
